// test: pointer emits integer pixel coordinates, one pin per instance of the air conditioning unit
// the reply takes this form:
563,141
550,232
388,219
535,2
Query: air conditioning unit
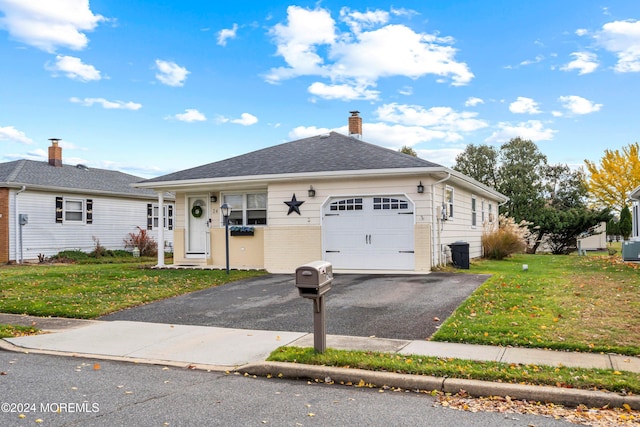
631,250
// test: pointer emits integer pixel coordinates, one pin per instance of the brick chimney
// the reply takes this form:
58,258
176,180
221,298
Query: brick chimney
355,125
55,153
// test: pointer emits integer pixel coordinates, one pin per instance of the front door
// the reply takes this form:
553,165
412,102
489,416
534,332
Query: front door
198,226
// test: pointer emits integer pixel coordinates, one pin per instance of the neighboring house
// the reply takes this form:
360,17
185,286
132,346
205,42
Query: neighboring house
48,207
330,197
593,239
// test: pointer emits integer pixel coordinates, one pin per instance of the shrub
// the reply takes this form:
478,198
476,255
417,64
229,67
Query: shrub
142,241
509,238
69,256
99,250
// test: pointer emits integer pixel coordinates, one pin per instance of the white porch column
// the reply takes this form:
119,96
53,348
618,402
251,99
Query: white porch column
160,229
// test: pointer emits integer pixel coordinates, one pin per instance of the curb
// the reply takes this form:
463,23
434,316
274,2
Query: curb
564,396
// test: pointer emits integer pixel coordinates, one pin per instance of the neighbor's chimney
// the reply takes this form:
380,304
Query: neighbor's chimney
55,153
355,125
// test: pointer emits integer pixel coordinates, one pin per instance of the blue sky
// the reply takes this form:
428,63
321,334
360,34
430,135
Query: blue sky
150,87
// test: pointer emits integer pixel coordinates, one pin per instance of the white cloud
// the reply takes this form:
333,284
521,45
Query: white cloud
533,130
343,92
442,156
390,136
581,32
10,133
226,34
311,44
584,62
171,73
245,119
579,105
74,69
623,39
307,131
538,58
473,101
109,105
190,115
360,20
406,90
48,25
437,118
524,105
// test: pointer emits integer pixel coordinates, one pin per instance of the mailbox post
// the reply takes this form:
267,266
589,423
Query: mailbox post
313,281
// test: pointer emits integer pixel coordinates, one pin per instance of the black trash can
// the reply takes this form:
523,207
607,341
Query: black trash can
460,254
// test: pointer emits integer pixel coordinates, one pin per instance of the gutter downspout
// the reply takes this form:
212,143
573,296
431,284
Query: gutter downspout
160,230
434,222
18,227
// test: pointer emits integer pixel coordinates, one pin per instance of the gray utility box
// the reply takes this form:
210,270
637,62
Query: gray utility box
314,279
631,250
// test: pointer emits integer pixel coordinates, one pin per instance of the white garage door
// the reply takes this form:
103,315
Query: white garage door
369,233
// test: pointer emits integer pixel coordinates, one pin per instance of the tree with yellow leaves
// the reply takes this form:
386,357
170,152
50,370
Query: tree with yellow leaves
618,173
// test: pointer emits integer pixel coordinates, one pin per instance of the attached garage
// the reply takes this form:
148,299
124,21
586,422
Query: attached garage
369,232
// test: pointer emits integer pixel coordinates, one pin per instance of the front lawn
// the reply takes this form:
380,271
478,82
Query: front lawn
583,303
86,291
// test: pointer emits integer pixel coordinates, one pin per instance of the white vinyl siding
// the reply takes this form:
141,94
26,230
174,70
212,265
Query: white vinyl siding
109,219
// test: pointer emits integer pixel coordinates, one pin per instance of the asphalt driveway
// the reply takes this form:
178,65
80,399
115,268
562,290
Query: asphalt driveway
385,306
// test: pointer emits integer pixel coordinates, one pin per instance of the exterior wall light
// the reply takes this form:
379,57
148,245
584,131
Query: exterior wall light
312,192
420,188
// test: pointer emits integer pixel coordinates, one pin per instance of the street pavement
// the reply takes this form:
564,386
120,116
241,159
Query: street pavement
245,350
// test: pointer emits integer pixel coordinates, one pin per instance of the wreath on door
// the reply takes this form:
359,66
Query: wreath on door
196,211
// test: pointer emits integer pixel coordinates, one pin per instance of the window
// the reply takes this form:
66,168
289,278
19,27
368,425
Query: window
490,213
474,213
448,195
153,217
354,204
247,208
74,210
389,203
483,213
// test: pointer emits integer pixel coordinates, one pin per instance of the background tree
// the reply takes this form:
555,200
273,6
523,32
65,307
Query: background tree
479,162
408,150
521,178
618,173
624,225
551,198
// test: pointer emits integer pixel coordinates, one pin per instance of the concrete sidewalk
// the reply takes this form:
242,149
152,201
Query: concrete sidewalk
225,349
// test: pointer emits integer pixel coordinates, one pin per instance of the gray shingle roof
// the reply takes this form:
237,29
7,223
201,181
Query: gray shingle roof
73,178
322,153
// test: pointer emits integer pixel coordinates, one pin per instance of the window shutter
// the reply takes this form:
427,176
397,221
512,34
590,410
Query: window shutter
59,203
170,217
149,216
89,211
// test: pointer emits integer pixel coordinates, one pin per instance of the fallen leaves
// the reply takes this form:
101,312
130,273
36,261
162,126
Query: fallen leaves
597,417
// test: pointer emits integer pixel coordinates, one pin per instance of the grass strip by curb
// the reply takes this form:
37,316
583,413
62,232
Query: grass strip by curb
579,378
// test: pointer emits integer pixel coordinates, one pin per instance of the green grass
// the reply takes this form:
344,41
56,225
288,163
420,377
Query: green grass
8,331
588,303
600,379
86,291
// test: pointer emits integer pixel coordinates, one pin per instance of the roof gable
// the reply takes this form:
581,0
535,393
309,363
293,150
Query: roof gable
323,153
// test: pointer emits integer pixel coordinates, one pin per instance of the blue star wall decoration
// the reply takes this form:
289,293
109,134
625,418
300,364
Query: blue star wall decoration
294,205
